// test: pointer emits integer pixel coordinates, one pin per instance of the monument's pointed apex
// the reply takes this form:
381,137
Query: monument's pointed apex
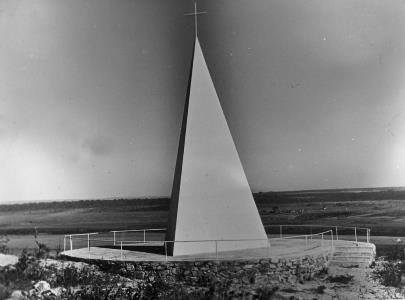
211,197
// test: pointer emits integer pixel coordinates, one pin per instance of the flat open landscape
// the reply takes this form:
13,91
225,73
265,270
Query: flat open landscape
381,209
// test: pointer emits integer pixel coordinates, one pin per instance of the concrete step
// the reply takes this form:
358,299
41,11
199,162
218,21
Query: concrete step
349,264
368,251
354,249
355,255
362,254
351,258
369,255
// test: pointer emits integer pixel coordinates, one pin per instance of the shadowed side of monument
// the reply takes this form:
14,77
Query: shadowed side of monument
211,198
174,202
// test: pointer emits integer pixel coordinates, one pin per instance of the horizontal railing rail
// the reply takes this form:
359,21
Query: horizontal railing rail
336,229
187,241
94,238
314,225
216,243
78,234
144,231
140,230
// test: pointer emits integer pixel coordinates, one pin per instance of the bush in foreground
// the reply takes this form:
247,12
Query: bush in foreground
3,244
389,272
346,278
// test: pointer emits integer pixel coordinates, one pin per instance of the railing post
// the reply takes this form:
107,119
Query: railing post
216,249
114,237
64,243
355,233
88,242
368,235
165,250
322,239
331,236
268,240
337,236
144,236
71,244
121,250
281,231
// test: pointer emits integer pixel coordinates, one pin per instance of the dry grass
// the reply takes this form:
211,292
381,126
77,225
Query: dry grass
383,210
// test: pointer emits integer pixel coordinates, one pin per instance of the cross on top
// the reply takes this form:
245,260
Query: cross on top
195,13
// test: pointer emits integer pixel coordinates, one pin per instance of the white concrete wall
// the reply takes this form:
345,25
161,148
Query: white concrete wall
215,200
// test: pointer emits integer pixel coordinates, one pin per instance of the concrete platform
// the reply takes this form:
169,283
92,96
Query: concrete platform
280,248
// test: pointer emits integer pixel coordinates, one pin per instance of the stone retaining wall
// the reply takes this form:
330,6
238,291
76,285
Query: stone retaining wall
266,270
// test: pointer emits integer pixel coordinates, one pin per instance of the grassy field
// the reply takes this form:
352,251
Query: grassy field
83,216
382,210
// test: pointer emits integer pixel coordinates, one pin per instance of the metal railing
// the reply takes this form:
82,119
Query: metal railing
114,236
355,230
217,246
215,249
144,231
77,234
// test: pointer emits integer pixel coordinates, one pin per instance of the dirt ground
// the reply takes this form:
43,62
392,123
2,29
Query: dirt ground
361,286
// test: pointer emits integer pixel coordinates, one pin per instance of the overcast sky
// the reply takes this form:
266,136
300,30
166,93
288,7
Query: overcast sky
92,93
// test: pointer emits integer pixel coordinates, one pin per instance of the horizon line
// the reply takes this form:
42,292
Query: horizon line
168,197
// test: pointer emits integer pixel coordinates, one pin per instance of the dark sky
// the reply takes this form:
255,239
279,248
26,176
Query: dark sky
92,92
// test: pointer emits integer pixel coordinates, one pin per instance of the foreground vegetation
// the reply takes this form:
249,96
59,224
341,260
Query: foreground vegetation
38,276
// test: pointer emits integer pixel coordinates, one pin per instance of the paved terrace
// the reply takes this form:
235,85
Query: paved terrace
279,248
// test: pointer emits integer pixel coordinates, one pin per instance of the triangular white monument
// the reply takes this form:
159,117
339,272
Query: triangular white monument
211,198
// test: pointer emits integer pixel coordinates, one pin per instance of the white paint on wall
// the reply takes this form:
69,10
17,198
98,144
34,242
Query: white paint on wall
215,201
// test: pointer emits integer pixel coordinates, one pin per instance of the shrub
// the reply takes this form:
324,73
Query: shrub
289,290
43,250
36,272
389,273
69,276
4,292
252,276
58,250
23,261
346,278
265,292
397,252
3,244
320,289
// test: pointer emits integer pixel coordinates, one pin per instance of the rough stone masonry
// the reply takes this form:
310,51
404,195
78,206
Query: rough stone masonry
265,270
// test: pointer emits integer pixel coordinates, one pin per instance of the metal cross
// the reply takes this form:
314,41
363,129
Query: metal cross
195,13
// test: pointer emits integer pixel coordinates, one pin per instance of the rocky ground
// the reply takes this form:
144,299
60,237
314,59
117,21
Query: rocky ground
6,259
57,279
361,284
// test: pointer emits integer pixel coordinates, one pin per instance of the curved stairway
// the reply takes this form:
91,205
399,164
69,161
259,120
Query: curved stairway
352,255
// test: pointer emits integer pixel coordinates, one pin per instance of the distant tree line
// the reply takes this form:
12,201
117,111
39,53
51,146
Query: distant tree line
329,196
147,203
261,198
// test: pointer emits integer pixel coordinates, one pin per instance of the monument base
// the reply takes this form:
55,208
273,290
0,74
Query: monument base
212,247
